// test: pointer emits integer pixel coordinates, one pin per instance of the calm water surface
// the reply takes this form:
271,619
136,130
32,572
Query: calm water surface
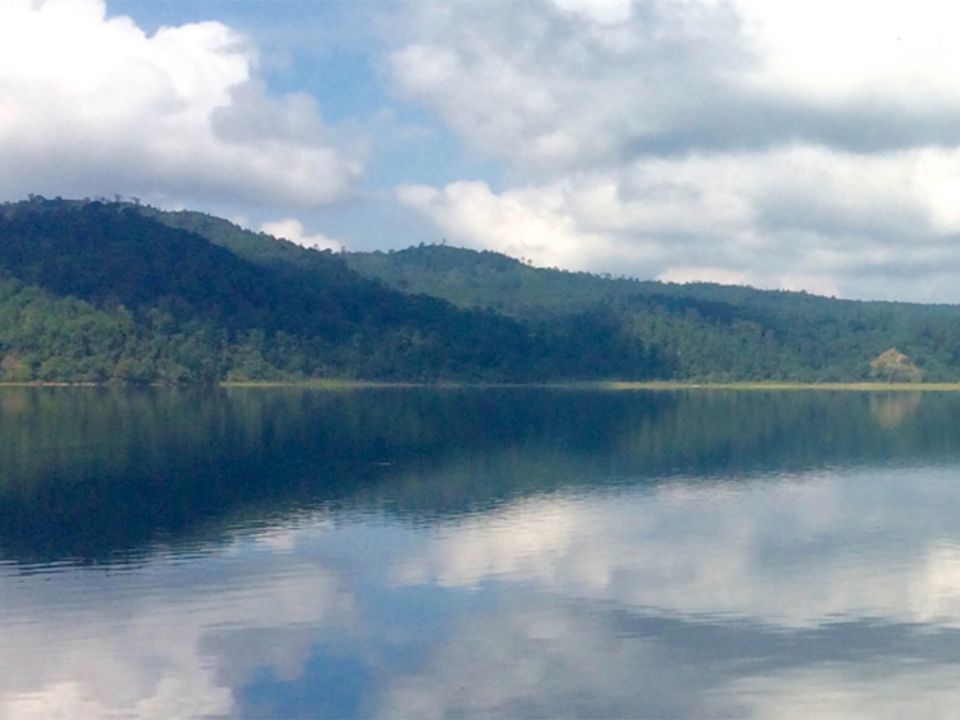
495,553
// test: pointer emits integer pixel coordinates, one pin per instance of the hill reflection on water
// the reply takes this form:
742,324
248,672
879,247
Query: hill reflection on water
87,473
478,553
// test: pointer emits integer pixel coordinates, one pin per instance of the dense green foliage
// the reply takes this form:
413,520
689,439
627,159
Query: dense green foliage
94,291
98,291
696,331
111,291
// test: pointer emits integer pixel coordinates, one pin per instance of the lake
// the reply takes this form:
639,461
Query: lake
478,553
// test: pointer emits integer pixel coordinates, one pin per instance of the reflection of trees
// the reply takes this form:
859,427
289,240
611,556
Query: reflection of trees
84,472
891,410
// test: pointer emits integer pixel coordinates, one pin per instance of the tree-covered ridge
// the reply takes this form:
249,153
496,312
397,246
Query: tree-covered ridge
112,291
697,331
96,291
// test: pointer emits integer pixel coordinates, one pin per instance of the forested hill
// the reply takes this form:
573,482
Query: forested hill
99,291
93,291
700,330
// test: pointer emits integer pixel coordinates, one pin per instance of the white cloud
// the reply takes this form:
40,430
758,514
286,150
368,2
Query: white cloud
92,105
899,54
585,84
600,11
783,144
292,229
526,223
794,218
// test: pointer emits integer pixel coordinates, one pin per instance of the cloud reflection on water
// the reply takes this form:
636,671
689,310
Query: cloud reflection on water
686,599
777,598
788,551
625,556
148,642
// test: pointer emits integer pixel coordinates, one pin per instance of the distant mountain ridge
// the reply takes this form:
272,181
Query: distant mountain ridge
114,291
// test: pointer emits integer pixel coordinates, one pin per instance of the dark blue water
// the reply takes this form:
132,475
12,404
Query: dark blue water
487,553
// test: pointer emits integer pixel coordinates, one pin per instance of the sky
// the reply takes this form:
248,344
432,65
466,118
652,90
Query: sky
773,143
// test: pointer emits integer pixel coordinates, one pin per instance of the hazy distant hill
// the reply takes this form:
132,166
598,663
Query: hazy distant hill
103,291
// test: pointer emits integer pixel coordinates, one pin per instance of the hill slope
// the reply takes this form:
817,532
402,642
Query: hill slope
102,291
95,291
698,331
108,291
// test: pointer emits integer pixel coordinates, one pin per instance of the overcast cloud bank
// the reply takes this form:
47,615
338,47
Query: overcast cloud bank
772,143
804,146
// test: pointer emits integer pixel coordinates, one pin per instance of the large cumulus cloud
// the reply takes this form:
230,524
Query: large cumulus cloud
90,104
780,144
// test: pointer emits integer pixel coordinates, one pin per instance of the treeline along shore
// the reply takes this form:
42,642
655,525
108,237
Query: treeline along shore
93,291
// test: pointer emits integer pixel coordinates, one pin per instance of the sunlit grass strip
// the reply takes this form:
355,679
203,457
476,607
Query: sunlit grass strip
606,385
318,383
612,385
47,383
834,386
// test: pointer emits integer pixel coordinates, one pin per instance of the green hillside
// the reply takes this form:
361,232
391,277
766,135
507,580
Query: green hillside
98,292
94,291
698,331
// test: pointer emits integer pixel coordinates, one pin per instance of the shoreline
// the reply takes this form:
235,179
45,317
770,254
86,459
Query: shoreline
597,385
865,386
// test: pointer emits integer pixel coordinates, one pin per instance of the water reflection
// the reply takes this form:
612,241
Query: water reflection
492,553
892,410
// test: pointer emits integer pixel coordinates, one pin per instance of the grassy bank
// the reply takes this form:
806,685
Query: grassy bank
617,385
607,385
780,386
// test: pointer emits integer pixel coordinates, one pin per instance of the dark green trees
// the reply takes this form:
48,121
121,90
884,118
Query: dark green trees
110,291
